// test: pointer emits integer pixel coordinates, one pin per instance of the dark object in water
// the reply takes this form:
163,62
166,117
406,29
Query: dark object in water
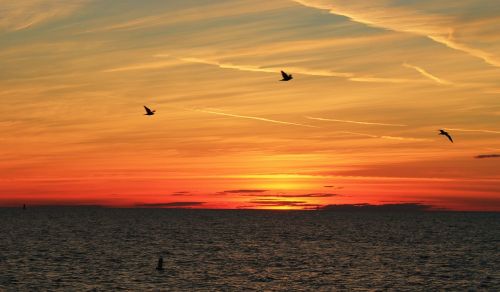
24,206
159,267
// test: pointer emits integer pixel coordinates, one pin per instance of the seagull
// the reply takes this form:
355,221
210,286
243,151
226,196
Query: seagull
286,77
149,112
444,133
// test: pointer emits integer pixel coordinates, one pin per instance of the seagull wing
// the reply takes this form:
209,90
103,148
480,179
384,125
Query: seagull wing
285,76
449,137
148,111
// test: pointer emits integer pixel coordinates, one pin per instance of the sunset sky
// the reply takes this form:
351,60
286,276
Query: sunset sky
373,83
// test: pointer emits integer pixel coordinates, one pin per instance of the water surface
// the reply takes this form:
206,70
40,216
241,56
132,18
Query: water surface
81,249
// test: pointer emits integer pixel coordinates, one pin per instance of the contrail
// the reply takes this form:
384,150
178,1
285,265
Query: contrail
385,137
355,122
299,70
253,118
470,130
403,21
302,125
250,68
427,74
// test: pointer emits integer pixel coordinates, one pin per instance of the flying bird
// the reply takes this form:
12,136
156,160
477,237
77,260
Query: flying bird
286,77
149,112
444,133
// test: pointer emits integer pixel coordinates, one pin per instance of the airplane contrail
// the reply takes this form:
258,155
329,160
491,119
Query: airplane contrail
385,137
355,122
253,118
424,73
474,130
250,68
299,70
303,125
403,21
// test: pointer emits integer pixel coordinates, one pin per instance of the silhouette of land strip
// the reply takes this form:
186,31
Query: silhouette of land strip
487,156
403,207
171,205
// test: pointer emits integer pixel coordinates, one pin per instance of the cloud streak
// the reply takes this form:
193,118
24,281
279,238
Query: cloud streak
243,191
355,122
251,68
386,137
311,195
474,130
144,66
428,75
482,156
377,14
254,118
19,15
296,70
400,207
171,205
282,203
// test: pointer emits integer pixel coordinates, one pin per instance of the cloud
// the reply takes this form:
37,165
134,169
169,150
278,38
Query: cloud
386,137
171,205
253,118
311,195
400,207
19,15
355,122
243,191
197,13
295,70
337,188
144,66
282,203
487,156
181,194
474,130
251,68
427,74
375,13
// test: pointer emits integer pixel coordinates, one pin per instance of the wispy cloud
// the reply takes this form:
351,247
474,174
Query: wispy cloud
487,156
253,118
474,130
438,28
198,13
311,195
144,66
337,188
355,122
182,193
18,15
171,205
251,68
282,203
427,74
295,70
386,137
243,191
398,207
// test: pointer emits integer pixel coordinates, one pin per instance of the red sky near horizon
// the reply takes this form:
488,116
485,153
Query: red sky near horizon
357,124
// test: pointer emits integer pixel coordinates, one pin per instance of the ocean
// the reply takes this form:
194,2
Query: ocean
106,249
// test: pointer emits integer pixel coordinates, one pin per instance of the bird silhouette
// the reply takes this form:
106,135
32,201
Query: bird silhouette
286,77
444,133
149,112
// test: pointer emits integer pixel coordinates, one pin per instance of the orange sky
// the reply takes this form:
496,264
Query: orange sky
357,124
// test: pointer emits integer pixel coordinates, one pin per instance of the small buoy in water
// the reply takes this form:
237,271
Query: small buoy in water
159,267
